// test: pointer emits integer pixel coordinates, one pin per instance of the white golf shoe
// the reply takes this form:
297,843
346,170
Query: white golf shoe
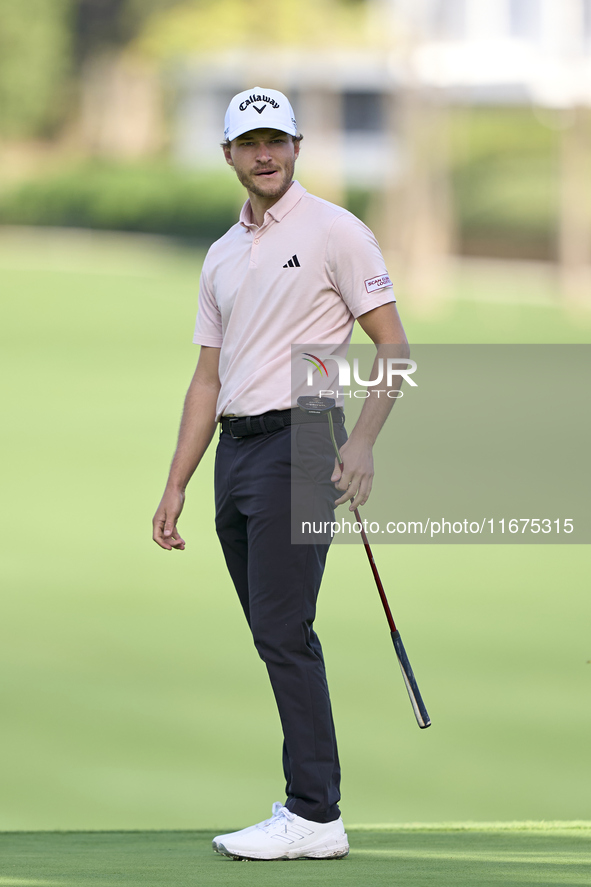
285,836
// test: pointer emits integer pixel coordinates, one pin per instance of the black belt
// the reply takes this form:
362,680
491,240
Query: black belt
274,420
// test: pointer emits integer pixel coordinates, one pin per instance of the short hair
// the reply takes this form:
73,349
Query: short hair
226,143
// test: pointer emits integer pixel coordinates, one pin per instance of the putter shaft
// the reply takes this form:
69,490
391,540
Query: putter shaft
364,538
420,711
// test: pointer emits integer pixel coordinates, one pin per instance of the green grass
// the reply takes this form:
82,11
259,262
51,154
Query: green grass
132,696
446,857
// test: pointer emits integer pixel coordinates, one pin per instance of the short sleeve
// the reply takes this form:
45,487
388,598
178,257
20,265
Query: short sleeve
356,267
208,327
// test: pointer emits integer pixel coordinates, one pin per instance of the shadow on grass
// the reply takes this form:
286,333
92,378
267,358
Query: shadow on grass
415,859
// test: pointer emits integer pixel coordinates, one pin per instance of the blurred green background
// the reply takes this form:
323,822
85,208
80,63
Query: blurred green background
132,696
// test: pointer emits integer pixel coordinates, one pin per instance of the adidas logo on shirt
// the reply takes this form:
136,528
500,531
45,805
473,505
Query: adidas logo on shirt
293,263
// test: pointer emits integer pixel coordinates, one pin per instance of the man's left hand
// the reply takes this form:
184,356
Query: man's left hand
357,475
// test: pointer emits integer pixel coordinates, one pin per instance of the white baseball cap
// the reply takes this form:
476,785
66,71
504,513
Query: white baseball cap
259,109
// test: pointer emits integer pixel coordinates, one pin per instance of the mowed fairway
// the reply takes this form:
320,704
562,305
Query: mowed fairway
482,857
132,697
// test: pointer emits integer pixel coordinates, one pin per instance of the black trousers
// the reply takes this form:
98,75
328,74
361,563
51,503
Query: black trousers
278,584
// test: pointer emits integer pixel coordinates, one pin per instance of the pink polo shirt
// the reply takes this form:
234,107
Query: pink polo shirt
302,277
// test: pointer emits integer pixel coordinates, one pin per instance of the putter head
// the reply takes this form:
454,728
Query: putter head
313,404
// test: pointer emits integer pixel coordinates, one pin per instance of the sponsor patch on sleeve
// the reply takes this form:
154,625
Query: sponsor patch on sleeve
377,283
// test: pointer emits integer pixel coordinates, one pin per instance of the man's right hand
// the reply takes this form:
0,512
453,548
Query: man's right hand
165,532
197,428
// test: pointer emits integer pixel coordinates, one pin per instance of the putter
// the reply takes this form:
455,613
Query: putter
317,405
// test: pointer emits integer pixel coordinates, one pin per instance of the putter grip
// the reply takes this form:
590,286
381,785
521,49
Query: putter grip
423,719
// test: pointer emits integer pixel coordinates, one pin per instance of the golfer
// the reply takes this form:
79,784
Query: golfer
294,269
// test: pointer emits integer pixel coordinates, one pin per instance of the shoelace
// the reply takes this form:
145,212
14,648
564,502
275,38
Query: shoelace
279,812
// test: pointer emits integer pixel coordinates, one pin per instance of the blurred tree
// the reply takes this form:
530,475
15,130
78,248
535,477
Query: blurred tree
120,103
42,42
574,234
195,25
100,25
421,215
97,24
35,58
418,218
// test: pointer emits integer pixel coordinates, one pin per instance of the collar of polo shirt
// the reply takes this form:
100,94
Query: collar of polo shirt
279,210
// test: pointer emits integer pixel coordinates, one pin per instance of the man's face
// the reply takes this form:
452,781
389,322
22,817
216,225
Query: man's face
264,161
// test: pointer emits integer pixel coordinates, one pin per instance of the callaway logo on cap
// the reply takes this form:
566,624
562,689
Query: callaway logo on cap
259,109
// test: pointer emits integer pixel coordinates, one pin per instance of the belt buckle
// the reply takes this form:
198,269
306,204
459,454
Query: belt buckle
235,436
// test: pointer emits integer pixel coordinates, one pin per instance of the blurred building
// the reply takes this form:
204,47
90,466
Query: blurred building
506,51
348,103
341,102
